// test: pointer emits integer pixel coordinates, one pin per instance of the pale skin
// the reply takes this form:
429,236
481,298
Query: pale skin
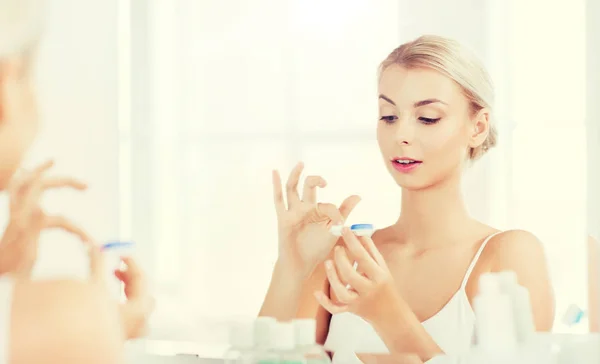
412,268
78,321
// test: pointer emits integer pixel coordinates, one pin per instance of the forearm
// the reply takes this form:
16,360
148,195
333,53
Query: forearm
292,296
402,332
308,306
284,293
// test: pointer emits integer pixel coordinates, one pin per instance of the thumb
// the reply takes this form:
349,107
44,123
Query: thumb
348,205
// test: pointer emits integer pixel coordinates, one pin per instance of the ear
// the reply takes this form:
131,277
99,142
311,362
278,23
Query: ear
480,128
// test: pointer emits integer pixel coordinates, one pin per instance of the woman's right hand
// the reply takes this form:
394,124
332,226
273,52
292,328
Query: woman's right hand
303,225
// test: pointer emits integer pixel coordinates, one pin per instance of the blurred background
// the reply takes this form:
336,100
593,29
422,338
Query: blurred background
176,111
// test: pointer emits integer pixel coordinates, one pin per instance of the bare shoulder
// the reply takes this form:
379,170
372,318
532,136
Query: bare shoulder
512,249
522,252
49,317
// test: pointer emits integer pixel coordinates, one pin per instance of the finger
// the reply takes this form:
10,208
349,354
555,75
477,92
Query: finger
343,293
37,187
32,191
311,183
17,180
369,245
348,205
39,170
292,185
36,174
59,222
360,253
133,270
347,273
23,178
133,278
121,276
62,182
331,211
327,304
278,193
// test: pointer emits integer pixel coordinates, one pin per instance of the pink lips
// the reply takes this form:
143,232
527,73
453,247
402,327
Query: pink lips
405,165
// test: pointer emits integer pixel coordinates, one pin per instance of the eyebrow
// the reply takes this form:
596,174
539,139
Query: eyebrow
416,104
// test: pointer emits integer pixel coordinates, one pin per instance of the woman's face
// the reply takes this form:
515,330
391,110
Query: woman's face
18,116
425,127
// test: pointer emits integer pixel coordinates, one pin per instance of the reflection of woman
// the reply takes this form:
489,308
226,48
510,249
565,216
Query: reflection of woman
416,279
57,321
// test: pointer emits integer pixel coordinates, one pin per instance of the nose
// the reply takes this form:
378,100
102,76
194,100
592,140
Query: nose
405,131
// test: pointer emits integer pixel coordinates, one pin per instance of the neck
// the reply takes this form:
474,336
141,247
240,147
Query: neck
429,217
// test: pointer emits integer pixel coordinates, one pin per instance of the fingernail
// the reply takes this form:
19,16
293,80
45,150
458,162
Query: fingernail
328,264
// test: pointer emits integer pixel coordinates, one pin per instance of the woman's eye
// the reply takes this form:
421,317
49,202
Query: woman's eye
389,118
429,120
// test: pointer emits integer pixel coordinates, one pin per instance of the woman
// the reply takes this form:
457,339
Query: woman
60,321
417,278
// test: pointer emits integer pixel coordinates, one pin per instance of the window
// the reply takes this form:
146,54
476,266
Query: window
236,91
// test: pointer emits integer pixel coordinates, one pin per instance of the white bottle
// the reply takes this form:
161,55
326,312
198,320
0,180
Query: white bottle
306,342
284,344
494,317
241,344
264,334
521,302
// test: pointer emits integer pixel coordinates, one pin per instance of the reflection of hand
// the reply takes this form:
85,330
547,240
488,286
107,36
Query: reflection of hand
19,245
136,311
140,304
369,287
304,237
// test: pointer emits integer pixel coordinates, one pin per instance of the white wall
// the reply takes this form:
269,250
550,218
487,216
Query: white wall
593,116
77,87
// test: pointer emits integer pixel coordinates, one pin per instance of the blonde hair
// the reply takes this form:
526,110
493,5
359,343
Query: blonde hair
456,62
20,26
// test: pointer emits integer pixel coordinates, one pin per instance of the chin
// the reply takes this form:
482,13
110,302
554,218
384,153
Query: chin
416,181
410,182
413,185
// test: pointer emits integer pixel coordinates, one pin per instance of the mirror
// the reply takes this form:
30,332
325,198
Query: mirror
222,93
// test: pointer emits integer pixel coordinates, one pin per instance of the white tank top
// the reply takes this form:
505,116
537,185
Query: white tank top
6,290
451,328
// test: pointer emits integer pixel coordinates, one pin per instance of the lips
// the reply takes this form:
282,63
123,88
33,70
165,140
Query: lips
405,165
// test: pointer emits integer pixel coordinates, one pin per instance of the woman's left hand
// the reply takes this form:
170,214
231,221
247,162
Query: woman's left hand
364,292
